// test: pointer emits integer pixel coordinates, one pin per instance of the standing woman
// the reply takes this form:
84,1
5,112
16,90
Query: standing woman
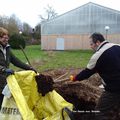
7,57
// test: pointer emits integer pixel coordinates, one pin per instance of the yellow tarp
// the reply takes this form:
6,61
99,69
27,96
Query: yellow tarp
31,104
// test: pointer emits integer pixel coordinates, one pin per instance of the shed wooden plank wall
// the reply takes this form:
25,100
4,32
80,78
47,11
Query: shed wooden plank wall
72,42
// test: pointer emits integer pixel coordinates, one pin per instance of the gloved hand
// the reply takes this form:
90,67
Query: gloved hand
9,71
72,78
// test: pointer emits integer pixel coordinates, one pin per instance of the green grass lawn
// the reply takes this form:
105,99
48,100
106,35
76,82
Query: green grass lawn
45,60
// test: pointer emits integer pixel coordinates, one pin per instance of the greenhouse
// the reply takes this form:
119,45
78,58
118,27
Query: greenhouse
71,30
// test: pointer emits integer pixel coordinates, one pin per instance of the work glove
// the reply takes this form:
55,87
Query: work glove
9,71
72,78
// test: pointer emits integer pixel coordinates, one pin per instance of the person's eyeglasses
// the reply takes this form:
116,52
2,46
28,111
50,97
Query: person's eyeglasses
5,37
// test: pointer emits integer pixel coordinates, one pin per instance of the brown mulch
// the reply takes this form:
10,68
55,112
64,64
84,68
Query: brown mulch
83,95
75,92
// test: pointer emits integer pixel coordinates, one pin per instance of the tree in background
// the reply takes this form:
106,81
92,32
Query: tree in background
49,14
17,40
26,29
3,20
38,31
11,23
26,33
15,26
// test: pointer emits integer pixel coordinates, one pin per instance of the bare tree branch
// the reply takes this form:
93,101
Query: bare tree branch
50,14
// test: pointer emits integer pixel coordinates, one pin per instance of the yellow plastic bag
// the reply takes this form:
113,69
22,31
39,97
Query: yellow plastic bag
31,104
21,97
9,110
50,107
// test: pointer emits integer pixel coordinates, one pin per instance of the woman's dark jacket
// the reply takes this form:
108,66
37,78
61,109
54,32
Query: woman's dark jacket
4,64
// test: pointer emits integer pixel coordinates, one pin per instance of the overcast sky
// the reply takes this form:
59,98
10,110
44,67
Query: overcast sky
29,10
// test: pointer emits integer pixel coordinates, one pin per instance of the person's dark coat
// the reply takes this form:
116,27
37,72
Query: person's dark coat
4,64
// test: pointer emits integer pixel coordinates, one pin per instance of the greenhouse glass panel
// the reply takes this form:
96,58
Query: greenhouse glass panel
86,19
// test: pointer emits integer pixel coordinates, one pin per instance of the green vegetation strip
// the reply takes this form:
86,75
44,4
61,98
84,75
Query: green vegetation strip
45,60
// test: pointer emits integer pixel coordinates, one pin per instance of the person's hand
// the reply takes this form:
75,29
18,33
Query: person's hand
72,78
9,71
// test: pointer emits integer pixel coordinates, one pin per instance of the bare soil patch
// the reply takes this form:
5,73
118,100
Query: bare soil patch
83,95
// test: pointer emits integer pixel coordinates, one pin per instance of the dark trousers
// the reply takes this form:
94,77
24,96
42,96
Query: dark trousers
109,106
1,99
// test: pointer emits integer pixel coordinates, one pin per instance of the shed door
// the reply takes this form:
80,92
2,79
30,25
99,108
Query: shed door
60,44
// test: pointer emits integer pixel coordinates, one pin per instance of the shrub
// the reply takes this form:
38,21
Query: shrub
17,40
